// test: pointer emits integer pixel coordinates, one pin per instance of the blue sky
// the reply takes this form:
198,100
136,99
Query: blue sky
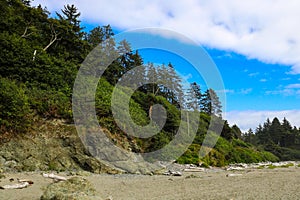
254,44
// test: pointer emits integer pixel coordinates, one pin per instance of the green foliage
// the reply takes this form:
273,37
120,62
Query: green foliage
225,152
280,166
191,156
15,111
50,103
279,138
283,153
40,57
287,165
271,167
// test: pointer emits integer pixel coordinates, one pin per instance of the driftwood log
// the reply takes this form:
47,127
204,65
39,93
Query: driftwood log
22,184
231,175
55,177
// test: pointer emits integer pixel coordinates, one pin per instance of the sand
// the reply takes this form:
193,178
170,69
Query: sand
278,183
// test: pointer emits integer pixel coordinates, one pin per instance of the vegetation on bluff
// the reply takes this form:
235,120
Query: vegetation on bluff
40,57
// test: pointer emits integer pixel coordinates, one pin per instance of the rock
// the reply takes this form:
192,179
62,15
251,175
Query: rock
74,188
172,173
192,176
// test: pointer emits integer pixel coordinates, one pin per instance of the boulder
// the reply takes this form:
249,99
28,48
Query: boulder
74,188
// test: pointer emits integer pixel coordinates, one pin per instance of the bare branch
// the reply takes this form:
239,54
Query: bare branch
53,38
25,34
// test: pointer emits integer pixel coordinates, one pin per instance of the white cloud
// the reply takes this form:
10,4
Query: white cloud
289,90
253,74
246,91
293,86
239,91
252,118
266,30
263,80
226,91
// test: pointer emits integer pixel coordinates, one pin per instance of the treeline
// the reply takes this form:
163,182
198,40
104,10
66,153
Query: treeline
40,57
280,138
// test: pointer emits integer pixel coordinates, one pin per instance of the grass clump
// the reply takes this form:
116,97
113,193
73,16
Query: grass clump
271,167
287,165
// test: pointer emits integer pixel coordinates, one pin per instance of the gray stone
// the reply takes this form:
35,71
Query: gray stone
74,188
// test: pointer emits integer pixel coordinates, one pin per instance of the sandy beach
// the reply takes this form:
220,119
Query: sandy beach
278,183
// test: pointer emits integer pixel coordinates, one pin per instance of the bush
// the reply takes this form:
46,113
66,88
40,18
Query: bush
191,156
15,115
50,103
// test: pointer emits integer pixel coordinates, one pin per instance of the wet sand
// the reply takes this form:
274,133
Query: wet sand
278,183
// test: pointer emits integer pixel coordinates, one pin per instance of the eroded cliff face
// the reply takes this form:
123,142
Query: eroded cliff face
55,145
51,145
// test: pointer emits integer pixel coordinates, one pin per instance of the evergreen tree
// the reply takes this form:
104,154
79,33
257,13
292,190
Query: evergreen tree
236,131
276,131
210,103
193,99
95,36
175,93
69,35
151,76
249,136
287,137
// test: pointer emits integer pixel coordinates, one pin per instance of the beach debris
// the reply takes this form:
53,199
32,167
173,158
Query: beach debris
109,198
172,173
55,177
235,168
261,165
192,176
25,180
20,185
194,169
231,175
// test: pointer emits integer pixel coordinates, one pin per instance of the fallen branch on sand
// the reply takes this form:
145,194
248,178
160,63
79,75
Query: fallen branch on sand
55,177
194,170
230,175
22,184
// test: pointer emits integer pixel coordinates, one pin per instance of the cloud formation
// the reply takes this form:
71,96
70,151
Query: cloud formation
266,30
252,118
289,90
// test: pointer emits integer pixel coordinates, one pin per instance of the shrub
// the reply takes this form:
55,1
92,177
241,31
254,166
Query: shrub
191,156
50,103
15,115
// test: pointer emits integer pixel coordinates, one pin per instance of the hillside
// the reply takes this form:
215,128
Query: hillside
39,61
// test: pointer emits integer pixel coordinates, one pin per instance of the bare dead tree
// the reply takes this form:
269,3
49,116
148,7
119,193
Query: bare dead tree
53,38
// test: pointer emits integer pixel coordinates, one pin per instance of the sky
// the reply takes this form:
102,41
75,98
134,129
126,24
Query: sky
254,44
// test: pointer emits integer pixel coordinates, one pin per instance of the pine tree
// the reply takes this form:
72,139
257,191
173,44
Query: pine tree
287,137
175,93
152,76
95,36
276,131
69,35
193,98
236,131
210,103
